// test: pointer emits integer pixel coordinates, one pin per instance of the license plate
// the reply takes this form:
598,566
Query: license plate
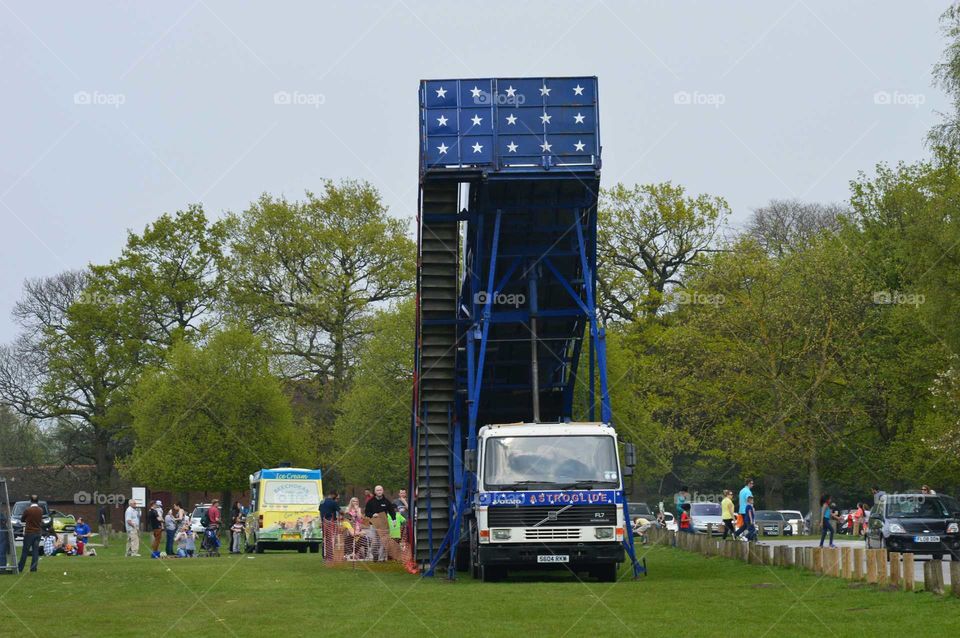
926,539
553,558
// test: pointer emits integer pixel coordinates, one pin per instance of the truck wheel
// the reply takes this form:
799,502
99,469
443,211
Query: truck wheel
491,574
302,549
258,547
606,573
314,548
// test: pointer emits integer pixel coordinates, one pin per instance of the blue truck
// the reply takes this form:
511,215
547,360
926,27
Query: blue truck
502,476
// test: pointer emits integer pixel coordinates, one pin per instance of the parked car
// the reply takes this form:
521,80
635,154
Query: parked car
62,522
916,523
769,522
670,522
197,515
17,512
703,515
642,510
795,523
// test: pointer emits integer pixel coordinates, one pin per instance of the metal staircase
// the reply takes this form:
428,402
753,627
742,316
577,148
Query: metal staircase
437,350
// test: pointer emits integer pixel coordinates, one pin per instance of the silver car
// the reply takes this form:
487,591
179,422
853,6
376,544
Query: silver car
706,515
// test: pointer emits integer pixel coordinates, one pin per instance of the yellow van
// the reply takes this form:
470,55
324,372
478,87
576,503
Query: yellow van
284,510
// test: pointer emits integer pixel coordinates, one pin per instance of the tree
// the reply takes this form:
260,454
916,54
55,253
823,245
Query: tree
170,276
24,443
209,417
787,225
309,275
74,361
371,435
946,75
647,234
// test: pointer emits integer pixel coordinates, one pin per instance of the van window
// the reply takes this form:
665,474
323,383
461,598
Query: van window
291,493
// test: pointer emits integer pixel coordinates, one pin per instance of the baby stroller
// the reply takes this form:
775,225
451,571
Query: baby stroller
210,545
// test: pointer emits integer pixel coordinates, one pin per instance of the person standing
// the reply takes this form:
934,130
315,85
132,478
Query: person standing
400,503
679,499
236,530
726,510
377,509
826,516
329,512
170,527
746,493
131,522
155,525
32,527
685,521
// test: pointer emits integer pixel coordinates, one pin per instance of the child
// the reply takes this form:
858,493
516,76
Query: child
186,542
236,533
685,525
749,518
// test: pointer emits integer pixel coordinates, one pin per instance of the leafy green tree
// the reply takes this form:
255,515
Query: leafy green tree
647,234
310,274
170,276
24,443
371,436
210,416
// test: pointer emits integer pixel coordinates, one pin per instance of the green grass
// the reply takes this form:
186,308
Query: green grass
290,594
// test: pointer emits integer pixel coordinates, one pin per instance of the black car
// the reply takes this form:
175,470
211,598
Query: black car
916,523
18,509
770,522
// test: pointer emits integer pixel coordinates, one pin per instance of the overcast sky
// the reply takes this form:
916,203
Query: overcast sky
114,113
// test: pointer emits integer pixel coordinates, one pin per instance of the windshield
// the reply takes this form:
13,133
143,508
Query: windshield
550,462
915,507
291,493
705,509
20,506
769,516
198,511
639,508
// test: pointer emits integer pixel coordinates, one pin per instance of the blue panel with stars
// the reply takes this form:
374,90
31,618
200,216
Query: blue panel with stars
510,124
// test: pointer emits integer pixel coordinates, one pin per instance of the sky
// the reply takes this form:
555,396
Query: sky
116,112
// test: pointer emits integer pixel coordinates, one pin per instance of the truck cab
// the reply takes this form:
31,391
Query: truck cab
547,495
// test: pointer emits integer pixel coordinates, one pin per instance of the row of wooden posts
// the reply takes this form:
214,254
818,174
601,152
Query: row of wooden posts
874,566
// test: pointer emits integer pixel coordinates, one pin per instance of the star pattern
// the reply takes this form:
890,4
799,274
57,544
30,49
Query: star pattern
579,145
511,147
478,147
578,118
511,119
546,147
545,118
442,148
477,120
441,121
442,92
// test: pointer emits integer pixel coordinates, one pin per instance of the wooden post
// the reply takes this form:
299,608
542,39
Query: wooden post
818,560
858,553
791,556
847,558
871,567
895,569
955,578
882,577
807,562
933,576
745,552
908,572
835,558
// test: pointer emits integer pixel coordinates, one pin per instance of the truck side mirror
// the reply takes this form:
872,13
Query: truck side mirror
470,460
629,455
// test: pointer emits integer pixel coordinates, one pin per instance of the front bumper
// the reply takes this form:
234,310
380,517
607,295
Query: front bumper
905,543
526,554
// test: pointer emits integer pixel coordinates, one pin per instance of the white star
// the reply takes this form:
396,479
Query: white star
475,92
477,147
442,148
545,146
511,119
578,118
441,92
544,90
578,90
511,91
579,145
511,147
441,121
476,119
545,118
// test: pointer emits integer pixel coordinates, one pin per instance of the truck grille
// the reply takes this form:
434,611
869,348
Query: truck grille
551,516
551,534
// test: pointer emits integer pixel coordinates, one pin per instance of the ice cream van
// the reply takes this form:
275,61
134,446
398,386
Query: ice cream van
284,510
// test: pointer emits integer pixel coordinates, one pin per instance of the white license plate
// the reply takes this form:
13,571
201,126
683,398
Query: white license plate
553,558
926,539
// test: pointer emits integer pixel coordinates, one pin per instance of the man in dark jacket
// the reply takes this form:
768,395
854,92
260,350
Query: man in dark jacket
377,510
329,511
32,526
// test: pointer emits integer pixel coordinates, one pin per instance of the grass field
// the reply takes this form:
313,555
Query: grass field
290,594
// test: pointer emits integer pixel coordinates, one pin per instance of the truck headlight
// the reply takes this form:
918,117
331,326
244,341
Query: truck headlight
953,528
501,534
603,533
896,528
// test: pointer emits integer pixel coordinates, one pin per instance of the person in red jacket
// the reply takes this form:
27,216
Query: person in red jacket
685,525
